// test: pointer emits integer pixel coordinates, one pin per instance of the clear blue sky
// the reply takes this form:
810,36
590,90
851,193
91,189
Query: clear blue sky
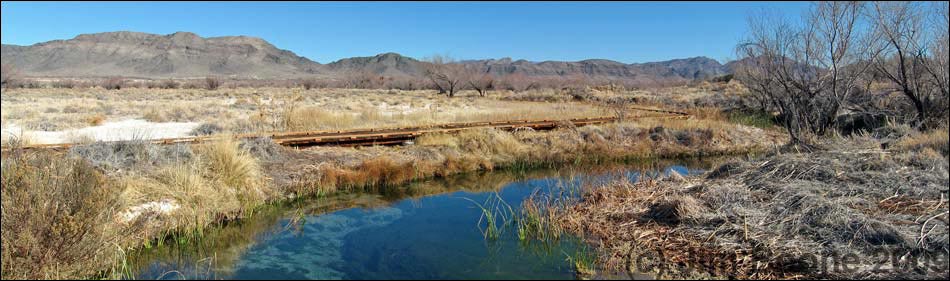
324,32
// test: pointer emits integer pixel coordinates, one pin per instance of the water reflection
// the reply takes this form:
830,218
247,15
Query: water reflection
423,230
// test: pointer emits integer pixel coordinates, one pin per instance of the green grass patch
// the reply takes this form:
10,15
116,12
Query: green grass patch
758,119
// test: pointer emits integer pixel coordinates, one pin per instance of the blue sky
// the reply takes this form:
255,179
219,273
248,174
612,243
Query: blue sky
326,31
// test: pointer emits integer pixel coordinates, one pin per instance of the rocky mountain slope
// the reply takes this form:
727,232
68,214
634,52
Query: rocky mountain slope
184,54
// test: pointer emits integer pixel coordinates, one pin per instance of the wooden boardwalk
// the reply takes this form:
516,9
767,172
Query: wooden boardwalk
389,136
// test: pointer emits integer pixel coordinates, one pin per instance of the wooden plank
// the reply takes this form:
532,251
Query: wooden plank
390,135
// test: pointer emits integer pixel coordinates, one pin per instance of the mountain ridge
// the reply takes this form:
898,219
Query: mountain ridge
185,54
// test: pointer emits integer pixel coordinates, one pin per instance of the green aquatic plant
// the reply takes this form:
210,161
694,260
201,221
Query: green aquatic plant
496,214
584,262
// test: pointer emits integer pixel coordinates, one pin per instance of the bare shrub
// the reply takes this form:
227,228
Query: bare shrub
262,148
212,83
516,82
53,212
311,83
205,129
134,154
65,84
114,83
163,84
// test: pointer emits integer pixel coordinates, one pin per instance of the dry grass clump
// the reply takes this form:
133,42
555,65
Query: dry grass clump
235,168
315,118
501,148
778,218
62,218
54,210
221,182
935,139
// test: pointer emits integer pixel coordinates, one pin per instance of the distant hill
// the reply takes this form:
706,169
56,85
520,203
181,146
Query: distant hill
387,64
181,54
184,54
392,64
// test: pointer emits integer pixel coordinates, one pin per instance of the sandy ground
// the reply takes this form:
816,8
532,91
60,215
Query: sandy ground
109,131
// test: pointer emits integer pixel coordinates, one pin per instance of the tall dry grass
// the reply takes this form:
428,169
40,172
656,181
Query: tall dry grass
221,182
933,139
63,218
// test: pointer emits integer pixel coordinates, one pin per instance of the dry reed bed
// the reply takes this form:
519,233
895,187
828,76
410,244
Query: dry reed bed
853,211
324,169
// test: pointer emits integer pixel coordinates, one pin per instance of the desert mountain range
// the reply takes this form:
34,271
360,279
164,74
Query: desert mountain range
187,55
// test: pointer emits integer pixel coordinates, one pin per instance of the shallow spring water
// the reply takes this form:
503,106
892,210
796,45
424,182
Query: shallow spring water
424,230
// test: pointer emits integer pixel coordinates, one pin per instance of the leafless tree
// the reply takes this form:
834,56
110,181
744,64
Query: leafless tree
843,48
445,74
620,105
480,81
516,82
902,55
360,79
938,67
807,72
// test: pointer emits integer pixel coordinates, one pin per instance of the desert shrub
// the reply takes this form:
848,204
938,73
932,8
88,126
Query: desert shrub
723,79
53,211
164,84
64,84
312,83
135,154
170,84
206,129
212,83
114,83
262,148
72,109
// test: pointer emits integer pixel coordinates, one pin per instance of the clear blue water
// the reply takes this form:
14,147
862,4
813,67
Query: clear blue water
425,230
